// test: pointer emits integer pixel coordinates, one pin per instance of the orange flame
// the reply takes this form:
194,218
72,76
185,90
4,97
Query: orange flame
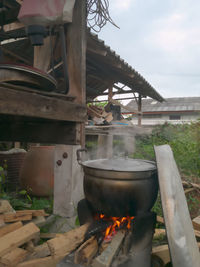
118,222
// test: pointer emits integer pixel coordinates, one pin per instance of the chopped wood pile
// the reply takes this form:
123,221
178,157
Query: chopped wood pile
20,241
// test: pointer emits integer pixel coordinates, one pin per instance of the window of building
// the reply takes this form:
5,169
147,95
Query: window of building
174,117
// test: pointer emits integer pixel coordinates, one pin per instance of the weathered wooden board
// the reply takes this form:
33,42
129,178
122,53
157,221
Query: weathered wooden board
106,257
35,105
10,228
85,253
63,245
23,130
41,251
41,262
196,223
162,252
18,237
182,243
14,257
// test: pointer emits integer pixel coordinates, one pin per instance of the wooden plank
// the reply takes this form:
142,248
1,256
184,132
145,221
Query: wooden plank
22,130
85,253
39,252
10,228
181,238
40,106
14,257
162,252
14,217
63,245
196,223
76,57
106,257
42,55
160,219
76,52
18,237
5,206
42,262
159,232
34,213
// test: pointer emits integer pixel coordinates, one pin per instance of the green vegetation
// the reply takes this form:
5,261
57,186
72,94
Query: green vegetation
184,140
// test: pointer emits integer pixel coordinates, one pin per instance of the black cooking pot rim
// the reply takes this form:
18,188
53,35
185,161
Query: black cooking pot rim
121,165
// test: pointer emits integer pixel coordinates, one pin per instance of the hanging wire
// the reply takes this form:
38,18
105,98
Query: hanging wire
98,14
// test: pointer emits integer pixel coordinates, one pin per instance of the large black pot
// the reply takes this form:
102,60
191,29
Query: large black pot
120,187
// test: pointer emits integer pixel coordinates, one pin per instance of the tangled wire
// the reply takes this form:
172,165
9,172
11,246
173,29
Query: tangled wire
98,14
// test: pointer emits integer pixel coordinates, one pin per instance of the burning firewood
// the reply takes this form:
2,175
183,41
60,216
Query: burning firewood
85,253
105,259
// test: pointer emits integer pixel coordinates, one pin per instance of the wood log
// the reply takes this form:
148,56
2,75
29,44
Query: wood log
159,232
41,251
196,223
69,241
41,262
106,258
189,190
14,257
50,235
18,237
10,228
85,253
29,246
14,217
5,206
34,213
197,186
162,252
2,223
160,219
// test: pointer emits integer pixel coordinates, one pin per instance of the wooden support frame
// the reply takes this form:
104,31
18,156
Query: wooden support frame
22,103
76,57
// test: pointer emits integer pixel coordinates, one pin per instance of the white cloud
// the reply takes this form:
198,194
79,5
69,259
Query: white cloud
122,5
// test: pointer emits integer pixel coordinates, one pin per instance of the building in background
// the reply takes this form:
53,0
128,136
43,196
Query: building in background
174,110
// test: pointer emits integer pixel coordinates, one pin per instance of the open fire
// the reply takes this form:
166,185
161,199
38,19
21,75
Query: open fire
117,223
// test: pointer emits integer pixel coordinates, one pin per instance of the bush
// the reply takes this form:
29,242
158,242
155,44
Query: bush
184,140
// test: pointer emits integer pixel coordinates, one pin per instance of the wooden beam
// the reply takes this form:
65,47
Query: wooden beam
42,54
76,57
43,131
76,52
15,102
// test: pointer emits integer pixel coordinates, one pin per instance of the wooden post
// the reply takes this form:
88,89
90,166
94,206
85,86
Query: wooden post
76,57
68,180
139,109
42,55
110,92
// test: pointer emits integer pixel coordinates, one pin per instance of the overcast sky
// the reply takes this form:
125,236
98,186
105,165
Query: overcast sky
160,40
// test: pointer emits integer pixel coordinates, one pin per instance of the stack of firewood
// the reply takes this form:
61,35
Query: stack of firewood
20,240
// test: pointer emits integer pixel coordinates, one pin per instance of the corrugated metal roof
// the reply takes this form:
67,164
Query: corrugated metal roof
124,73
169,105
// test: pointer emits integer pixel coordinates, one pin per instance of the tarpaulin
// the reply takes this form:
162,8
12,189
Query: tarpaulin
46,12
